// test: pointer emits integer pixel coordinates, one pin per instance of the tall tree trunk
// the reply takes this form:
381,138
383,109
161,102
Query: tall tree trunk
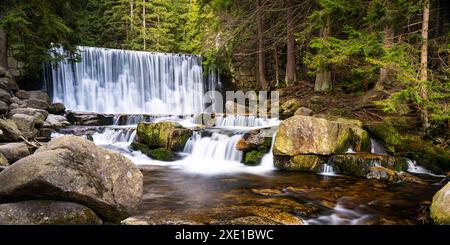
423,71
261,58
290,66
144,25
277,65
386,72
3,49
131,15
323,77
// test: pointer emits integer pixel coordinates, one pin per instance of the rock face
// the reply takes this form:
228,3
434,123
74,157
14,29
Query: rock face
46,213
300,135
14,151
39,115
440,207
70,168
168,135
9,131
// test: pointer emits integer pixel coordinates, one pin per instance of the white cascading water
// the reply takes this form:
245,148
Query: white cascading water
123,81
414,168
244,121
327,170
376,147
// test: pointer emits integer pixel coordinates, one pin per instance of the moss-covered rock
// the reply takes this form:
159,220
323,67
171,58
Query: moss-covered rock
303,135
168,135
253,157
288,108
359,164
307,163
440,207
161,154
381,173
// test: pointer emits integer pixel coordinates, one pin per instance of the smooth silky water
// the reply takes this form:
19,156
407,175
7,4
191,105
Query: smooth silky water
209,185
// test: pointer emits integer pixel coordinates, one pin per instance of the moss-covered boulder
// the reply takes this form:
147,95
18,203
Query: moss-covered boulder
43,212
359,164
288,108
307,163
253,157
168,135
381,173
440,207
300,135
161,154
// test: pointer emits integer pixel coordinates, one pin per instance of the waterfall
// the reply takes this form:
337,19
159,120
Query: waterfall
121,81
414,168
244,121
218,147
267,160
376,147
327,169
114,136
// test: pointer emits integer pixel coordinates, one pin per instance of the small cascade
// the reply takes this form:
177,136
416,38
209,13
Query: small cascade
414,168
111,136
244,121
327,170
267,160
376,147
350,150
218,147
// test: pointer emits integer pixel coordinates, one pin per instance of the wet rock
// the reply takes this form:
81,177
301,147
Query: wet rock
39,115
44,134
3,108
14,151
381,173
255,139
57,108
440,207
406,177
161,154
288,108
267,192
4,96
303,111
56,122
70,168
168,135
37,104
39,95
359,164
251,220
9,131
309,135
25,124
307,163
22,94
89,118
42,212
253,157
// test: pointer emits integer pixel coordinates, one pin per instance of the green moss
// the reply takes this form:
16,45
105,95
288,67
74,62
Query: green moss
162,154
253,157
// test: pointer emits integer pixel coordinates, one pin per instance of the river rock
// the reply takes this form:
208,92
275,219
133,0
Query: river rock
168,135
307,163
37,104
39,95
4,108
359,164
8,84
70,168
89,118
25,124
288,108
22,94
303,111
9,131
57,108
440,207
3,161
43,212
255,139
14,151
300,135
4,96
39,115
56,122
381,173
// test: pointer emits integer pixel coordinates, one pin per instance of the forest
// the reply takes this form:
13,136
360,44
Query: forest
364,91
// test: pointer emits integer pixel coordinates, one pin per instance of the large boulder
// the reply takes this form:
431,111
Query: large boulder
39,95
300,135
57,108
303,111
8,84
9,131
37,104
381,173
39,115
70,168
43,212
14,151
306,163
25,123
22,94
440,207
168,135
89,118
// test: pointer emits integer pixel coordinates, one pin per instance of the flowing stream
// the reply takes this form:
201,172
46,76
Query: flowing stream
209,184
